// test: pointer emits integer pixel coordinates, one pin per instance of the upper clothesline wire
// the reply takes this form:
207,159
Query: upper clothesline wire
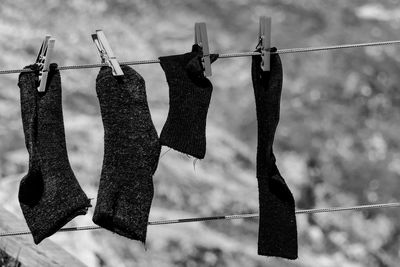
228,55
221,217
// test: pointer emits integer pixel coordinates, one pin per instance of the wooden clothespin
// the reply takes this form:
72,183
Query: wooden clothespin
106,53
200,38
265,42
43,61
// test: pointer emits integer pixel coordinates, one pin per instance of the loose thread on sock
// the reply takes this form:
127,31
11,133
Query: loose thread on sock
194,164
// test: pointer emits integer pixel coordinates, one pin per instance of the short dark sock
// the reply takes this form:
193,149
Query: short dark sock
277,234
131,154
49,195
189,98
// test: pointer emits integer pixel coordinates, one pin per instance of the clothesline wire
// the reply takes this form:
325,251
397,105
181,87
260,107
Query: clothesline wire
221,217
228,55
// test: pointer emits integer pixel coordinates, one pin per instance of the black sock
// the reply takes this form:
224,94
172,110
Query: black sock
189,99
277,226
49,195
131,154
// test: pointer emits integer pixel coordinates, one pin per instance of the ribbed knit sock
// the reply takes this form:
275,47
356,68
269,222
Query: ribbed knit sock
189,99
131,154
277,225
49,195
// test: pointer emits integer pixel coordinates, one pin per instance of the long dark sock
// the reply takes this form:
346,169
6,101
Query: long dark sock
49,195
189,99
131,153
277,226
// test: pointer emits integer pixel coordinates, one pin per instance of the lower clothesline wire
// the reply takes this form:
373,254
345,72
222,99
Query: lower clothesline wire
222,217
228,55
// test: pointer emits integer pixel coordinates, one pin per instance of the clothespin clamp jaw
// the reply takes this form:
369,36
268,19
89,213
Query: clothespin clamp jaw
201,39
43,61
265,42
106,53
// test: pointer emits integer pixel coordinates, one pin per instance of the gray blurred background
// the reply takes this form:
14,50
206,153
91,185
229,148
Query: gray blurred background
337,143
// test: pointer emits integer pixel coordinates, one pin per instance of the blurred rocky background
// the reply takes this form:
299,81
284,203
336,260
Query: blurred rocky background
337,144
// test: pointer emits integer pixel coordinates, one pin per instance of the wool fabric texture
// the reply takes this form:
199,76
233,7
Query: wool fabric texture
131,154
189,98
277,234
49,195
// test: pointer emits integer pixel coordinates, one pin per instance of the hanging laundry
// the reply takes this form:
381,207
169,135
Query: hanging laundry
189,99
49,195
277,224
131,153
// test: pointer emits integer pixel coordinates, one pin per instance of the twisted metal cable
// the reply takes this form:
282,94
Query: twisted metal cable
333,47
227,55
222,217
